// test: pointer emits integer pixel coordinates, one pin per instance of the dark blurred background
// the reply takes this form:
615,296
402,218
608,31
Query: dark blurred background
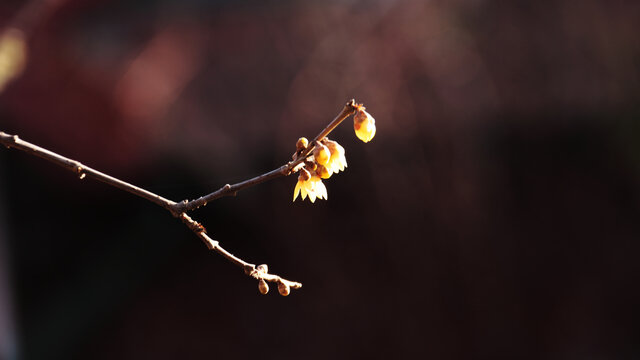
494,215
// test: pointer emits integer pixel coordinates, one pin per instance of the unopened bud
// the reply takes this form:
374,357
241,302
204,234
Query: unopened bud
302,143
263,287
364,125
304,175
263,268
283,289
321,154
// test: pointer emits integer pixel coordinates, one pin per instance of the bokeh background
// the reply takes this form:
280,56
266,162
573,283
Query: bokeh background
494,215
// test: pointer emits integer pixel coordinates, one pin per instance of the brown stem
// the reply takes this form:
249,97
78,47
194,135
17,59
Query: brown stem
349,108
13,141
228,190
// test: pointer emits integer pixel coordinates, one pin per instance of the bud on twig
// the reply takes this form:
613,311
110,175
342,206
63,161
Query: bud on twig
302,143
364,125
263,287
283,289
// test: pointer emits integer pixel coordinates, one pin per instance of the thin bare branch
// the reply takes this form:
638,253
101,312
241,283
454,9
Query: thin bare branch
349,109
229,190
249,269
13,141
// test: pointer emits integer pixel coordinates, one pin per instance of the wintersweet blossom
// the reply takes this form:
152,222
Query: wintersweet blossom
313,187
364,125
337,161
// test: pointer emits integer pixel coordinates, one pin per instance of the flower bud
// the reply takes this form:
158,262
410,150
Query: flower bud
263,287
263,268
322,154
302,143
364,125
283,289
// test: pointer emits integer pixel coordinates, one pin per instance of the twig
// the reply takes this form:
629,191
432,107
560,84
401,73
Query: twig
249,269
13,141
179,209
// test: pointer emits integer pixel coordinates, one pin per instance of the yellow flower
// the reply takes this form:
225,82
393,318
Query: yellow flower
337,161
313,187
364,125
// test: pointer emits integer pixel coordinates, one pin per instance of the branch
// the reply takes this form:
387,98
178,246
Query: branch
13,141
259,273
179,209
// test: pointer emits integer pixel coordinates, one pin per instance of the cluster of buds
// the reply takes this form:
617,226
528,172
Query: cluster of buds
327,158
283,288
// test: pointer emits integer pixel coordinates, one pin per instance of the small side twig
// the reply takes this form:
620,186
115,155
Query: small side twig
249,269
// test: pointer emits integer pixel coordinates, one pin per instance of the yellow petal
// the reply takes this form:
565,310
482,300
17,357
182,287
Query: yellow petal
322,190
296,191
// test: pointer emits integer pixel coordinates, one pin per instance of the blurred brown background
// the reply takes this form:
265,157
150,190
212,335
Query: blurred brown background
494,215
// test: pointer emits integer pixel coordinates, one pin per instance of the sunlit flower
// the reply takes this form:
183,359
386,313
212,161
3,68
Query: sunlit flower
364,125
313,187
338,161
